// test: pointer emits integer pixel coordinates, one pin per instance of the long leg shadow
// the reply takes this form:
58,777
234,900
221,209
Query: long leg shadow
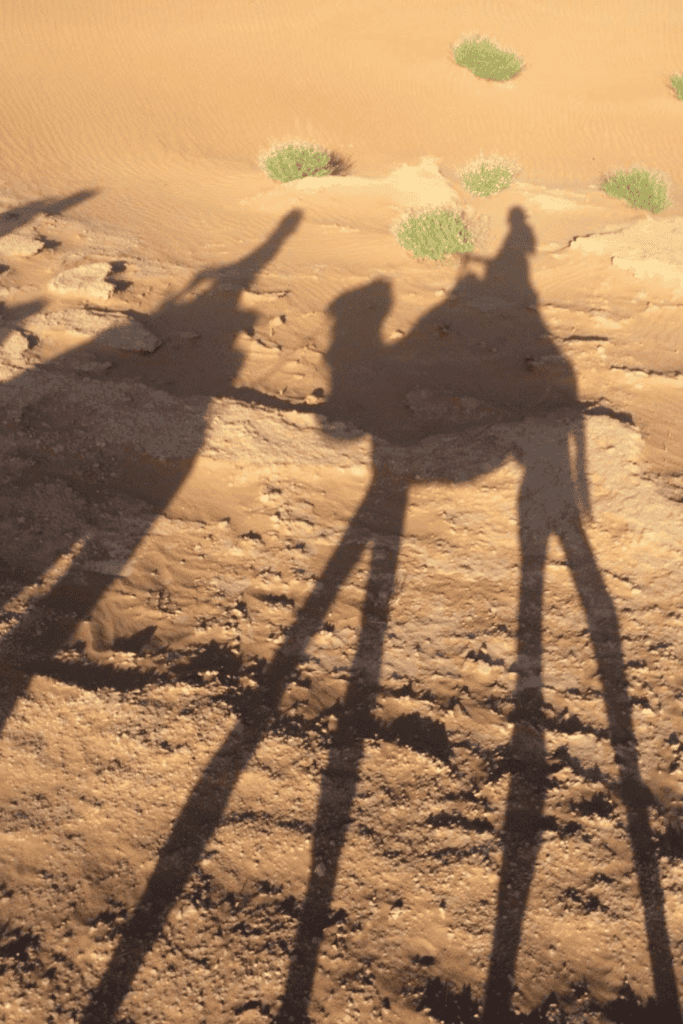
385,499
207,801
547,505
341,776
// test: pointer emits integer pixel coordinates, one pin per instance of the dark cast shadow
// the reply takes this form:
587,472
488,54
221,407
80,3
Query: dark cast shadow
19,216
554,498
12,318
47,626
505,362
548,505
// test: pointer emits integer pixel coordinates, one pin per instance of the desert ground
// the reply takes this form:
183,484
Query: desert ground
341,660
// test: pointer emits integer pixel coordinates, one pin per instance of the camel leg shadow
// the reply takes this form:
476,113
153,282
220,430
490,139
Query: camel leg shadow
206,804
341,776
522,829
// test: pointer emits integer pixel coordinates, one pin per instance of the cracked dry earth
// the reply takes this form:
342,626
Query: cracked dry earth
341,641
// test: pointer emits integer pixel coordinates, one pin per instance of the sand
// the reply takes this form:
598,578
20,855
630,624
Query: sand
340,646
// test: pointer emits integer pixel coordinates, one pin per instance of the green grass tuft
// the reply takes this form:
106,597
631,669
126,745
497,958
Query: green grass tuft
485,177
437,233
676,82
291,162
641,189
434,234
485,60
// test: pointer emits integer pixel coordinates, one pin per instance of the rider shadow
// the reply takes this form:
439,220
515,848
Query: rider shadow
48,624
497,369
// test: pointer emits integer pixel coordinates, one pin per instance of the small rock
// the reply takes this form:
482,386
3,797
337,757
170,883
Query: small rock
88,280
14,346
91,366
316,397
20,245
128,335
184,336
276,321
115,330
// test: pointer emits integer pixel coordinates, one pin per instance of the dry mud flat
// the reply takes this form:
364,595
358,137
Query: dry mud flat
461,772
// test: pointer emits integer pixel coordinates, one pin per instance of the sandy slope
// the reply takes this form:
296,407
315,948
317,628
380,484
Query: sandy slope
236,411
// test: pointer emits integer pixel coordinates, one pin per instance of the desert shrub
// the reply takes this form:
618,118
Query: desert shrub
485,60
434,234
485,177
676,83
288,163
640,188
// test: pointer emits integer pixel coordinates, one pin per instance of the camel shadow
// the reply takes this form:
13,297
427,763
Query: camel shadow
458,366
46,397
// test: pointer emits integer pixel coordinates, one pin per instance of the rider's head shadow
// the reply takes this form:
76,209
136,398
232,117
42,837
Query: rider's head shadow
520,237
507,273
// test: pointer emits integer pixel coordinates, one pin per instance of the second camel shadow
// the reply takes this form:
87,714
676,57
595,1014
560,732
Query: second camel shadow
46,395
504,367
